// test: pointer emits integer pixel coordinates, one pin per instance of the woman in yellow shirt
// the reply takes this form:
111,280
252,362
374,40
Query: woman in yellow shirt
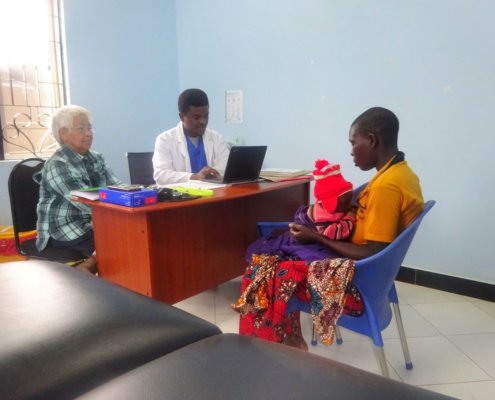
386,206
391,200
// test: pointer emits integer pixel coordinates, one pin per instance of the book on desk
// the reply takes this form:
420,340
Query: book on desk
87,193
284,174
123,195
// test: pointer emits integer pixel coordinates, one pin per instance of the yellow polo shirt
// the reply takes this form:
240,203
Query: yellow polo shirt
388,204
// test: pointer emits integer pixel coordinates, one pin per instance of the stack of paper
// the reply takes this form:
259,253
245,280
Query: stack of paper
86,193
279,174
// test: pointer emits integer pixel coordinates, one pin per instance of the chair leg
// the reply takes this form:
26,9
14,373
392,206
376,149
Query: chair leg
338,335
381,359
314,339
402,335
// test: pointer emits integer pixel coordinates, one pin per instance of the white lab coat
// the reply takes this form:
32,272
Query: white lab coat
171,161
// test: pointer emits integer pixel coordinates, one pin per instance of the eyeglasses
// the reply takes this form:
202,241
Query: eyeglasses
84,128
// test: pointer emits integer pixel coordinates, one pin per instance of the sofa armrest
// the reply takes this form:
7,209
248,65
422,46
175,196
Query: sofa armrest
63,332
243,368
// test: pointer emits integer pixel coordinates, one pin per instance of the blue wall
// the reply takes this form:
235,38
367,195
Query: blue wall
307,69
122,62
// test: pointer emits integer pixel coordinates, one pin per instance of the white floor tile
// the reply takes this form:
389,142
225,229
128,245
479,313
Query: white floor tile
457,318
201,305
359,354
486,306
415,325
415,294
435,360
228,323
226,294
356,350
467,391
479,348
350,336
451,338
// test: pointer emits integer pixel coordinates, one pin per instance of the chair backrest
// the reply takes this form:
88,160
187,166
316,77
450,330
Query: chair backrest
356,191
141,168
375,275
24,193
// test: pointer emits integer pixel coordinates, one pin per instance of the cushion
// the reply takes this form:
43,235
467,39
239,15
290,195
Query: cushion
63,331
244,368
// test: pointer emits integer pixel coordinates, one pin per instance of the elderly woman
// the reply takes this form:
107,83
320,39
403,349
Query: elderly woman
62,222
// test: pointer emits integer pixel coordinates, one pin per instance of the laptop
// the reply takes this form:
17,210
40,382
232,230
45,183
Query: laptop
243,165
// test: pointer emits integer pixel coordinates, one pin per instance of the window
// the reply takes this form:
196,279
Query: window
31,76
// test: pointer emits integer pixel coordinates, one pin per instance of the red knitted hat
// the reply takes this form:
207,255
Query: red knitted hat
329,184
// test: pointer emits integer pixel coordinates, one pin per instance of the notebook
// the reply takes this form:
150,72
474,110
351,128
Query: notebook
243,165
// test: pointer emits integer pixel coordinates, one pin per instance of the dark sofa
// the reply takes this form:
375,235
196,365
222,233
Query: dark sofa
65,334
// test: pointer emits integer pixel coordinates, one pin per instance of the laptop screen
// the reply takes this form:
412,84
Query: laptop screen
244,163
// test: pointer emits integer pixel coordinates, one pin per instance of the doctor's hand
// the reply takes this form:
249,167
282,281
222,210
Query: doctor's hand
302,234
206,172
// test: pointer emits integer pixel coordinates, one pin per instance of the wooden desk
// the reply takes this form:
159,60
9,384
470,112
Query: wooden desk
174,250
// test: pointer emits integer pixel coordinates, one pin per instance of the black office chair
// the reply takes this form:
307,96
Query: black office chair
141,168
24,193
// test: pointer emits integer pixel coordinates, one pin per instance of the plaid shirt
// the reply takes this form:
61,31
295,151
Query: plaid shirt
58,216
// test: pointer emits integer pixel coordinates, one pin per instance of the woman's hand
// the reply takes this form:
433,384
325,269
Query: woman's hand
302,234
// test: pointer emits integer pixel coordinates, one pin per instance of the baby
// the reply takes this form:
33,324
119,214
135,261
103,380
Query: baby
332,214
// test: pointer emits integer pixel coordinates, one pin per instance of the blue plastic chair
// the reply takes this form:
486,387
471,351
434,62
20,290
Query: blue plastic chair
374,278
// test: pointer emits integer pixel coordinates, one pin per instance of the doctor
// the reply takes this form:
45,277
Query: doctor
190,150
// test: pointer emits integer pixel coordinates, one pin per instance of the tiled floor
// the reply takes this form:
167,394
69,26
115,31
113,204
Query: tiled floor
451,338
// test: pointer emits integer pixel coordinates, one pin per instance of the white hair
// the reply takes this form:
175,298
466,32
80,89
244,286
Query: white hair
64,118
